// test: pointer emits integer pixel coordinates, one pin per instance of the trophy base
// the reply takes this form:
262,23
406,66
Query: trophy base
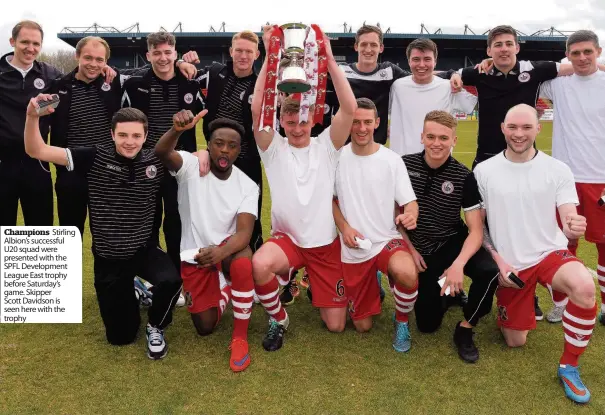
292,86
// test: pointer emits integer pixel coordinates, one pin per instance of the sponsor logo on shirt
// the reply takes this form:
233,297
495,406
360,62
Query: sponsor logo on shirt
188,98
143,90
62,92
151,171
414,174
39,83
113,167
105,87
447,187
524,77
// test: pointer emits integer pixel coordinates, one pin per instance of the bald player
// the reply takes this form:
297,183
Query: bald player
522,185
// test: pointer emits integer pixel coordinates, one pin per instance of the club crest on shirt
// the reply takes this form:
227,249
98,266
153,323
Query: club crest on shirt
383,73
250,99
105,87
151,171
447,187
326,108
524,77
39,83
188,98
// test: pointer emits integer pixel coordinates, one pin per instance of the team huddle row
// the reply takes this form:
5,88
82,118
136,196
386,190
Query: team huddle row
345,213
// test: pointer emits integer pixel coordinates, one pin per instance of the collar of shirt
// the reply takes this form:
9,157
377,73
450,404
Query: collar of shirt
127,160
24,72
496,72
432,171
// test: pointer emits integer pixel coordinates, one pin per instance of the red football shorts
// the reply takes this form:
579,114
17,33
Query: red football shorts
323,266
361,283
516,306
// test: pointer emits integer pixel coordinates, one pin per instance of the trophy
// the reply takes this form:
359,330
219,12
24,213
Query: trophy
292,76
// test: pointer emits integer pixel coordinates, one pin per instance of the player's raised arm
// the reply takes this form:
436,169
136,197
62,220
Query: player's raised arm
341,123
165,147
263,138
35,146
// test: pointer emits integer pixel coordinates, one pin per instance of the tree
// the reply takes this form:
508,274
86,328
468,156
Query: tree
63,60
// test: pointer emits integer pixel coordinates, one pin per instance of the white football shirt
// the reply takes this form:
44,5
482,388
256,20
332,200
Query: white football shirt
578,137
209,206
521,201
301,182
368,187
410,102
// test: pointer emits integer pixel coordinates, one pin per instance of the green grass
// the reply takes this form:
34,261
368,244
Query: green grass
69,369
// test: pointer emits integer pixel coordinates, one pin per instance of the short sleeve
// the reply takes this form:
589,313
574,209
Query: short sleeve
546,90
80,159
250,202
471,198
470,76
269,154
404,193
399,73
479,180
545,70
189,169
566,187
326,141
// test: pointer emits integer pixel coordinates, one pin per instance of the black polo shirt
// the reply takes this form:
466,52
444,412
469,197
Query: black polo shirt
440,193
498,92
122,197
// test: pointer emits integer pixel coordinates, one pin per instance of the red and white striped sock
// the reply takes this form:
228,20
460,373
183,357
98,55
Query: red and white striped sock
225,298
268,295
405,298
578,323
601,273
242,290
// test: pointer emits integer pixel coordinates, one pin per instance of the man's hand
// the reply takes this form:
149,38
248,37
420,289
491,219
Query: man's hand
575,226
485,66
503,279
204,159
454,278
418,260
267,33
32,108
328,47
191,57
184,119
188,70
407,220
348,236
108,73
456,83
208,257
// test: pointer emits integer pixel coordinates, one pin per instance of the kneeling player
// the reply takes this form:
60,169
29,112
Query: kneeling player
217,215
443,245
370,181
123,184
520,186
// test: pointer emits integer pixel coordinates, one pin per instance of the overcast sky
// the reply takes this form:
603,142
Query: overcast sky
526,15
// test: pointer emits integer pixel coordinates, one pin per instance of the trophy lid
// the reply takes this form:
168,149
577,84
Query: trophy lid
293,26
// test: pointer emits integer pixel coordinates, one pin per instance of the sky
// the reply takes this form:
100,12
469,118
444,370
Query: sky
528,16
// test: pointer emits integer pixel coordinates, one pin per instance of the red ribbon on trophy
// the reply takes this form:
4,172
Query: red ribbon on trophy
322,76
271,92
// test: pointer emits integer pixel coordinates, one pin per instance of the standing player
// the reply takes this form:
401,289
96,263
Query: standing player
123,182
301,171
520,187
217,216
160,93
371,181
229,95
415,96
578,141
22,178
443,244
82,119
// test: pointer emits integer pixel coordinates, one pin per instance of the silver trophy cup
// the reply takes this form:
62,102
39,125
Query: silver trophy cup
292,76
